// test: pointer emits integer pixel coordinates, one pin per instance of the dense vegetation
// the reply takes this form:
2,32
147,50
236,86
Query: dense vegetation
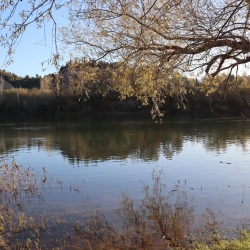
98,87
157,44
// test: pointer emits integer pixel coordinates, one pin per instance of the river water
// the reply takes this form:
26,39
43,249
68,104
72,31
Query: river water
93,161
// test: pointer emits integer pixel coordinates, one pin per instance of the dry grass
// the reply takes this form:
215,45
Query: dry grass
35,101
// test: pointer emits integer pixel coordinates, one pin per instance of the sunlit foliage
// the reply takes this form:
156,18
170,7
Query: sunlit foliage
151,42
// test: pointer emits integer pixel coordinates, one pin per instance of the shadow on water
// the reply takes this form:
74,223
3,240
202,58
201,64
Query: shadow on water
164,218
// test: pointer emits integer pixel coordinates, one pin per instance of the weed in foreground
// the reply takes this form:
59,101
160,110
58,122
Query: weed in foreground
162,220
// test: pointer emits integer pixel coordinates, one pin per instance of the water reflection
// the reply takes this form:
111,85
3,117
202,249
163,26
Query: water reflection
163,219
100,140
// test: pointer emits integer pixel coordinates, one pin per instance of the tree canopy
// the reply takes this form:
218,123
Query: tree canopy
152,40
171,34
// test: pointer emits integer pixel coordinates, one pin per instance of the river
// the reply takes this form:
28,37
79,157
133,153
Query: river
93,161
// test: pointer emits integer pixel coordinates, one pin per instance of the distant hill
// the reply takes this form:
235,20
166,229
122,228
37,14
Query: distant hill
18,81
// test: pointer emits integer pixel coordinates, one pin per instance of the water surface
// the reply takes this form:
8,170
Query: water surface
92,161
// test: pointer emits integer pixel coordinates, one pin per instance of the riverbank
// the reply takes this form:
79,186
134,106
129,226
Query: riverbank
35,102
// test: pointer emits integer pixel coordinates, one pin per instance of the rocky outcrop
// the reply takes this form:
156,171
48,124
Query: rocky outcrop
4,84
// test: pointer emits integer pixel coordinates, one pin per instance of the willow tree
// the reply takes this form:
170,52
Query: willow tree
161,38
156,40
185,35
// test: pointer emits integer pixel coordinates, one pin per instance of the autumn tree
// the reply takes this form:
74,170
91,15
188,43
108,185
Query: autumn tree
156,40
171,35
184,35
153,40
85,78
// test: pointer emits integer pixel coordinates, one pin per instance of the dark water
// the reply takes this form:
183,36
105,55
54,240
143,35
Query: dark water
92,161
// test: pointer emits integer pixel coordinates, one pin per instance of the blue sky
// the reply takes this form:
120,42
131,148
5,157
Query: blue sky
33,49
29,55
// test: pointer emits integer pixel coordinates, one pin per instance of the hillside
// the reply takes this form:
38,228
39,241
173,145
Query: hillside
18,81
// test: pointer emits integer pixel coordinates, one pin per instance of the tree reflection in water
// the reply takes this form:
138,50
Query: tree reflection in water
100,139
162,219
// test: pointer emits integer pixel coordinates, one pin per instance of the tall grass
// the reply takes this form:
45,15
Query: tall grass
27,100
16,101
